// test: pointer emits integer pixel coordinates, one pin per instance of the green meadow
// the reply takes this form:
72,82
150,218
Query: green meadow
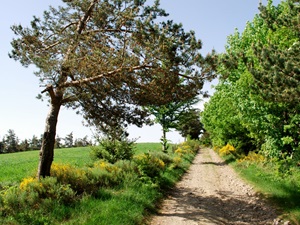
16,166
83,191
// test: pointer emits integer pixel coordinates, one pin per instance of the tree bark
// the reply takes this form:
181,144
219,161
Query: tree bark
164,141
47,149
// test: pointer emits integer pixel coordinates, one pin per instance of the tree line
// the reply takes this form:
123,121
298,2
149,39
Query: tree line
256,104
10,142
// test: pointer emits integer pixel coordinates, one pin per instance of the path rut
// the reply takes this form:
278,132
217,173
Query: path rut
212,193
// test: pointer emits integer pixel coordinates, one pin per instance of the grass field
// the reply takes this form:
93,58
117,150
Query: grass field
126,193
16,166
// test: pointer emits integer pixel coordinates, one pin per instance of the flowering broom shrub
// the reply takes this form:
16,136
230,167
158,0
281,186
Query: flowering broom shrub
88,180
32,193
71,175
226,150
149,165
253,157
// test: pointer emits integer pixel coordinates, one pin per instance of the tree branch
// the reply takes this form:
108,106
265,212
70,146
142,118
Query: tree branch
98,77
50,90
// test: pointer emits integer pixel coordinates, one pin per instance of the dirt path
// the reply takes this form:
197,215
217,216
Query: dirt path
212,193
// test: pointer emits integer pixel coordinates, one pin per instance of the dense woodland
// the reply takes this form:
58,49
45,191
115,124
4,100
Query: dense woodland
255,106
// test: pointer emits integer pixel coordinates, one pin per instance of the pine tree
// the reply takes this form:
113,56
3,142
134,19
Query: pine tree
106,59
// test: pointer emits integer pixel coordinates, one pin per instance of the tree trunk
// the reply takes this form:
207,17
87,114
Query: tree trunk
47,149
164,142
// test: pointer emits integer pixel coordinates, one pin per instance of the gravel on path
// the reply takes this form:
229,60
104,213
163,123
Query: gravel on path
212,193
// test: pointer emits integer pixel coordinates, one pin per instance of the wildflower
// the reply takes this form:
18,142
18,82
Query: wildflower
26,181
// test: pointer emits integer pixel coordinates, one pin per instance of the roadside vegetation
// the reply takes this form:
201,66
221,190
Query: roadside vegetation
254,112
82,190
277,180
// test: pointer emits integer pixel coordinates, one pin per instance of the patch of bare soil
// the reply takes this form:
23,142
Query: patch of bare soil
212,193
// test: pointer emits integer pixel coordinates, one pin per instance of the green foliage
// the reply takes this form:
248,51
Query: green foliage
149,165
189,124
108,60
170,115
113,150
78,194
255,105
33,194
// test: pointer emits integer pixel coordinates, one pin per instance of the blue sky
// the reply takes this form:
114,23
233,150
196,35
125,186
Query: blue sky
212,20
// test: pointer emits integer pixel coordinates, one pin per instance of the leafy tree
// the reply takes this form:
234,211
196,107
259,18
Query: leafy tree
222,120
69,140
24,145
168,116
11,141
1,147
58,142
256,99
278,77
82,142
107,57
35,143
189,124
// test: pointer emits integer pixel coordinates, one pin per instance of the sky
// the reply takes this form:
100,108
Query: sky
212,20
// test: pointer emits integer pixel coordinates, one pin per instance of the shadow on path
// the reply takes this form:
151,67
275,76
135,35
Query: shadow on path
224,209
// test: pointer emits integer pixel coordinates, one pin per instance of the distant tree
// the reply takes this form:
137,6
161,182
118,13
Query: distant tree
11,141
168,116
35,143
58,142
24,145
82,142
189,124
1,147
69,140
106,57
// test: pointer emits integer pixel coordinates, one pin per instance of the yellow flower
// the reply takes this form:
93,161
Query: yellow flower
226,150
25,182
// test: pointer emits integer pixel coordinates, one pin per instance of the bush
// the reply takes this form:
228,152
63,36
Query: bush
149,165
113,150
87,180
32,193
253,157
71,175
227,150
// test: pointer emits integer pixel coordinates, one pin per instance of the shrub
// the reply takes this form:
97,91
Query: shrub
71,175
32,193
166,158
176,162
194,145
188,147
226,150
253,157
149,165
113,150
88,180
104,174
